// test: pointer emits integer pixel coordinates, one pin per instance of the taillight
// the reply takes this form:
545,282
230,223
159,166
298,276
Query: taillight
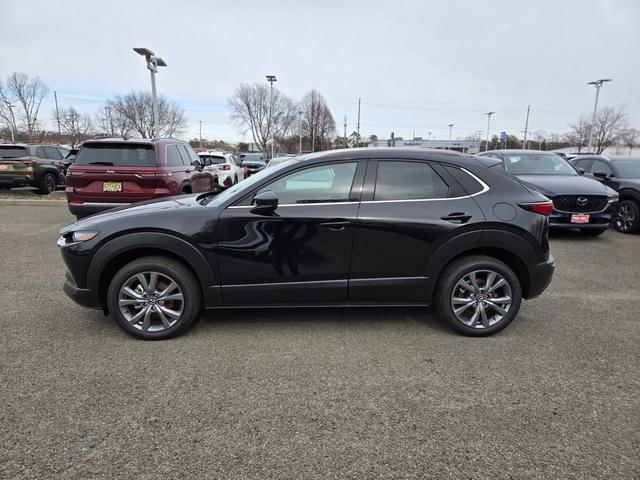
159,173
30,164
224,167
543,208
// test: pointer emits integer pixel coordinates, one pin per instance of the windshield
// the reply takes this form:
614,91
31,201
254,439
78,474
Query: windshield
537,164
7,152
246,184
117,154
628,168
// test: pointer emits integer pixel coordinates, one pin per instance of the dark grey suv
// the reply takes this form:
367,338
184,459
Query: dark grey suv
32,165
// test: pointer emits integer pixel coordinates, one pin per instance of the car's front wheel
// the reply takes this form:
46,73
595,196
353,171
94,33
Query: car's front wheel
628,217
154,298
478,295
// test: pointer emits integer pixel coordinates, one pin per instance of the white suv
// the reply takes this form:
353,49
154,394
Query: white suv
225,165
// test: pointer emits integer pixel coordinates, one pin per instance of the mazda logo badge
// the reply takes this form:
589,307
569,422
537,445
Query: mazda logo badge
581,201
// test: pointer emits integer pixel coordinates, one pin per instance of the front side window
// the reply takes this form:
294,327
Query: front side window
584,164
408,181
537,164
327,183
601,167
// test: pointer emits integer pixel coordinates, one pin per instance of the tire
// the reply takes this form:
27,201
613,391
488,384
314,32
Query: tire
476,325
151,325
592,232
628,217
48,184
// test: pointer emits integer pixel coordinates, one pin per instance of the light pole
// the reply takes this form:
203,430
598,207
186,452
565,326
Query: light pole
450,130
271,79
153,63
488,114
300,132
11,106
597,84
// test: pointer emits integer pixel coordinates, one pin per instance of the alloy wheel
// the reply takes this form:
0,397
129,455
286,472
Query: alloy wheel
50,183
481,299
151,301
625,218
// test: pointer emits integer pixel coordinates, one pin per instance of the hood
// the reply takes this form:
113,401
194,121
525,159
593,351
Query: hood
552,185
137,209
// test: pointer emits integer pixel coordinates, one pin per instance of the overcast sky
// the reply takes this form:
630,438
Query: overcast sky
416,65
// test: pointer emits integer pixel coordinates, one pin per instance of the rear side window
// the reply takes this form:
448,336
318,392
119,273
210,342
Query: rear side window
600,167
40,153
408,181
136,155
470,184
9,152
53,153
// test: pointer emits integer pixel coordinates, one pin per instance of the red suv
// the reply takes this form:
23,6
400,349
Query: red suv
110,172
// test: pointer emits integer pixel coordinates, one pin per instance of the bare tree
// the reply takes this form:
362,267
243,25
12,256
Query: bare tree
579,133
112,122
317,122
610,123
7,113
74,125
250,111
28,94
629,138
135,109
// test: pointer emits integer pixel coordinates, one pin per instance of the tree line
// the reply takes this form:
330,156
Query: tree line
123,115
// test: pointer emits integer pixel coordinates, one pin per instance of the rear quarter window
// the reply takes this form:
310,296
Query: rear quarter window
470,184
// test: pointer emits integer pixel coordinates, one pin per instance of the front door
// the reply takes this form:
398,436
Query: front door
301,252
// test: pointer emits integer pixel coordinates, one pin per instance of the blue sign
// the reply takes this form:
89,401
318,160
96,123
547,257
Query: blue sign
503,136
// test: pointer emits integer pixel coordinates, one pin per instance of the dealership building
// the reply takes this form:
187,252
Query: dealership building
463,146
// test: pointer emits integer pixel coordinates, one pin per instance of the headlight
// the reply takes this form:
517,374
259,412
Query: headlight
83,236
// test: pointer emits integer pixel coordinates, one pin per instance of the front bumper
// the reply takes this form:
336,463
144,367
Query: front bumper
597,220
82,296
540,277
89,208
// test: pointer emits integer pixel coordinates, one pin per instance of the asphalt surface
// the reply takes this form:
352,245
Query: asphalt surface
362,393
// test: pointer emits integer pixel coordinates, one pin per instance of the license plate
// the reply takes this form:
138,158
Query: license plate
112,187
3,166
580,218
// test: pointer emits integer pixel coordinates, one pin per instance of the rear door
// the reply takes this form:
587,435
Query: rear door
116,172
14,162
408,209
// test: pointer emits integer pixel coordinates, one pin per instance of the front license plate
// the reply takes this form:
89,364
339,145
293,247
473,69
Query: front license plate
580,218
3,166
112,187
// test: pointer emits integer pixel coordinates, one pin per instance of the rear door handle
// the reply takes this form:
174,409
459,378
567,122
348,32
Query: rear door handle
336,226
457,217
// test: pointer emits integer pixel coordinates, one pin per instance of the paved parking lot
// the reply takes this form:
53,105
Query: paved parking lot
321,393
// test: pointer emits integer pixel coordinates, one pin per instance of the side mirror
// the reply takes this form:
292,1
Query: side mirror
580,171
197,164
265,203
600,175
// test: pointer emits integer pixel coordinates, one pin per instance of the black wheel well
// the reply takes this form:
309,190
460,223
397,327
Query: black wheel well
627,195
186,188
509,258
123,258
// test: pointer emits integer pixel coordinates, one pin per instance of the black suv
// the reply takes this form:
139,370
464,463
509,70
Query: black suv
578,201
31,165
623,175
356,227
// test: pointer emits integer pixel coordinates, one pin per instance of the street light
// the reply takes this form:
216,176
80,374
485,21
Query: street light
450,130
300,132
488,114
11,106
597,84
153,63
271,79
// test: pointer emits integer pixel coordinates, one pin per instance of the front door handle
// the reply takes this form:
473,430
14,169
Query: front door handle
457,217
336,226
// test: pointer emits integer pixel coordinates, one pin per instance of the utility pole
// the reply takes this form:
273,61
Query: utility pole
200,133
10,106
597,84
300,132
358,129
488,114
526,127
345,126
55,95
271,79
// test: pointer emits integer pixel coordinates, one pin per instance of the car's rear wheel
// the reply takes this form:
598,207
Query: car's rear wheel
154,298
628,217
478,295
592,232
48,184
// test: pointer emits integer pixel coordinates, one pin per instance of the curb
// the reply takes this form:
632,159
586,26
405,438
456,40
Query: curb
18,202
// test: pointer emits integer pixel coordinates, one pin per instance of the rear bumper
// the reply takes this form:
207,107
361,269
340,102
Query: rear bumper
82,296
15,181
540,277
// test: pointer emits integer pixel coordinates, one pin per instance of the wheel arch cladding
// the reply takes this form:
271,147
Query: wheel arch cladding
118,252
